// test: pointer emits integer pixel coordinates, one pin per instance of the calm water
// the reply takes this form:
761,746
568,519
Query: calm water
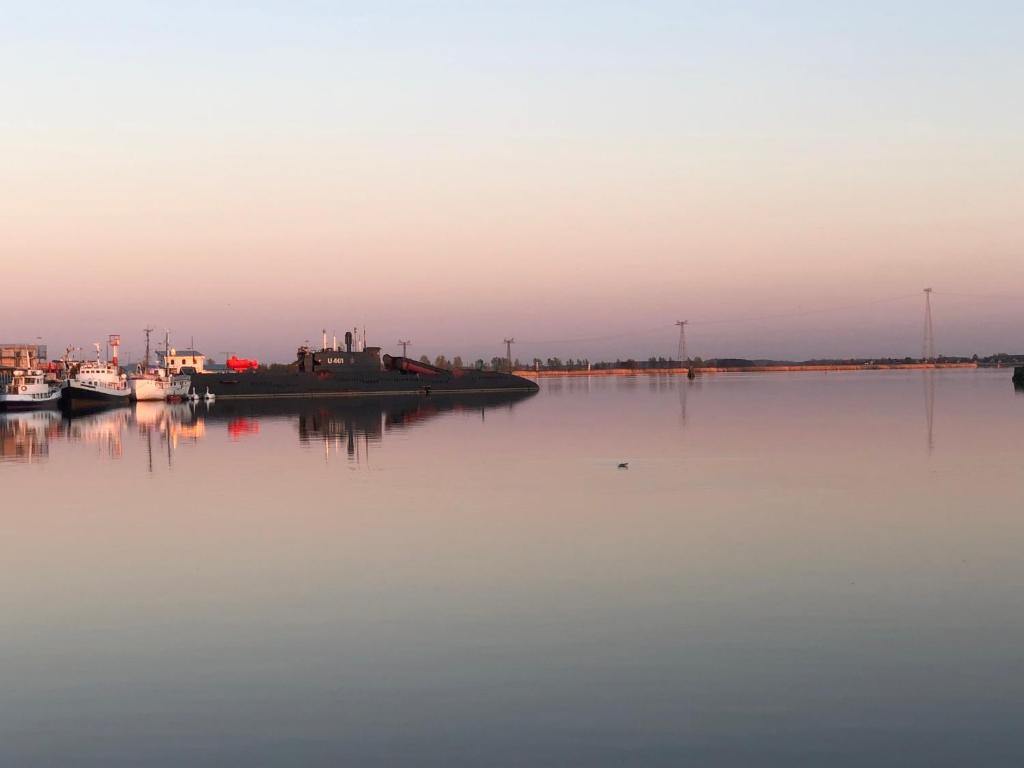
796,569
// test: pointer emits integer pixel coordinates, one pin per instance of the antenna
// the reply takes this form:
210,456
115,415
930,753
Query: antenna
928,346
682,340
405,347
147,331
508,348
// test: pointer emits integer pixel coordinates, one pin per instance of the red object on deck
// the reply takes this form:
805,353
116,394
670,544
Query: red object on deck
240,364
408,365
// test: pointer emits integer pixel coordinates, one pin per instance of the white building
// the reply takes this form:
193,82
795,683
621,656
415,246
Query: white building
182,358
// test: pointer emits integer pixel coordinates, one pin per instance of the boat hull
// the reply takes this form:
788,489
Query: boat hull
28,401
149,389
75,396
326,384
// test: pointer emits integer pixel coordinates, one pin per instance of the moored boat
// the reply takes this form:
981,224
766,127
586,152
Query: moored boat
25,388
150,383
97,384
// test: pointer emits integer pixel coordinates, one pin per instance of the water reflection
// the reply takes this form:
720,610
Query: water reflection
102,429
348,426
929,408
26,436
340,426
683,386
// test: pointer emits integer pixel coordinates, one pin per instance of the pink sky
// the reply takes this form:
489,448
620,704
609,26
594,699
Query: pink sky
456,183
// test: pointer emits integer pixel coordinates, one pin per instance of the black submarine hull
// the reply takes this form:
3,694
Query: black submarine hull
227,385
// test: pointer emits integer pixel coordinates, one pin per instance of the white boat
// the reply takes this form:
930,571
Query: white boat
26,388
97,384
157,383
148,386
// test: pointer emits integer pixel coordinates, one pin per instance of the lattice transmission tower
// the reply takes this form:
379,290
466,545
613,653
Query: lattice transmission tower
682,339
928,346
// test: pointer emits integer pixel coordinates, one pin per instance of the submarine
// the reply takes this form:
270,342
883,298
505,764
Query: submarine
347,372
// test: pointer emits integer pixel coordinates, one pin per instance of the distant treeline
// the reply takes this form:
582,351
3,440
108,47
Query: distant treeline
1002,359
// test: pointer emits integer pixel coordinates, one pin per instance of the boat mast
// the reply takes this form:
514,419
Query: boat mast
114,343
147,331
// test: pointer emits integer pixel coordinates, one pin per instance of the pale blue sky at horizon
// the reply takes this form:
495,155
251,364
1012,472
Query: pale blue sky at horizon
456,173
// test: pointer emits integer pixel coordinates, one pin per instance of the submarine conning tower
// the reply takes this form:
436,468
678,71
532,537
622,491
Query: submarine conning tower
334,358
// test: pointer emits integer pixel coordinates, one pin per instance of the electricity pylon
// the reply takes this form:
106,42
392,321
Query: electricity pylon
682,340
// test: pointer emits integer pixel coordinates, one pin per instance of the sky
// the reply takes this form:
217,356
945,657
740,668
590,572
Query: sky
578,175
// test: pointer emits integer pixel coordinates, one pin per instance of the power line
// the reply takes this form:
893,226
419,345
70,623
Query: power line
985,296
723,321
607,337
805,312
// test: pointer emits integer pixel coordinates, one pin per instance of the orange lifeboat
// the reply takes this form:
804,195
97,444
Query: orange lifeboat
239,364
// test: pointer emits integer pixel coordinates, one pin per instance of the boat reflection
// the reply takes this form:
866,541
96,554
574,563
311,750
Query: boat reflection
102,429
351,426
25,435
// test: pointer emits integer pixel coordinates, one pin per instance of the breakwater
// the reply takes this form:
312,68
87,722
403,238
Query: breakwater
743,369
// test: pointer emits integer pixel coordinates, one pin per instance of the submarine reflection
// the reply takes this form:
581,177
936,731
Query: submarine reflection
349,425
